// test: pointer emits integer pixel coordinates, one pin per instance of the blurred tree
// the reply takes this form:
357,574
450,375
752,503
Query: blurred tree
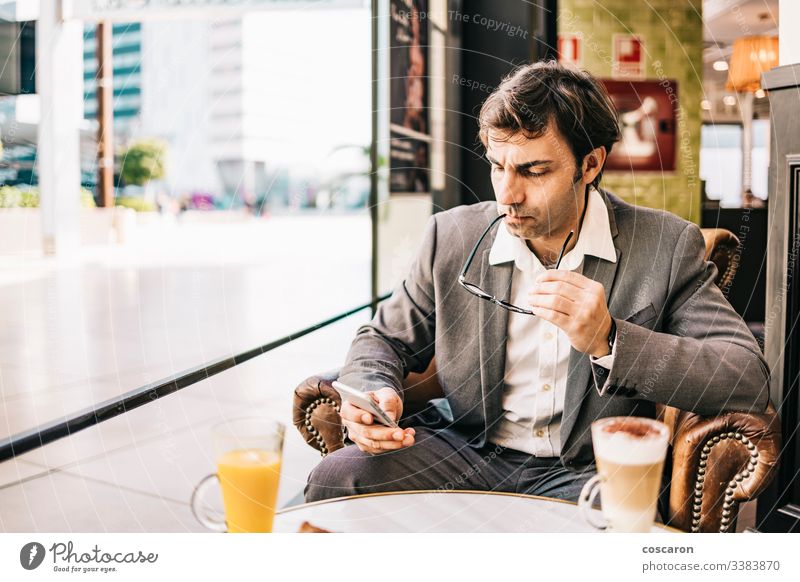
143,161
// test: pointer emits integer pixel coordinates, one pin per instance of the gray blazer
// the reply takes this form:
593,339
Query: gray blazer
679,342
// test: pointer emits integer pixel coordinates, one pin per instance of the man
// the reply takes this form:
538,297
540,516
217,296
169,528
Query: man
630,318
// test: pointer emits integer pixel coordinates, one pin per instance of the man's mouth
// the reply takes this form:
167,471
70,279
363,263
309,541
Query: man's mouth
513,219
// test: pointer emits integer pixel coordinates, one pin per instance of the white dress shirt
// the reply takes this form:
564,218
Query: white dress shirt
537,352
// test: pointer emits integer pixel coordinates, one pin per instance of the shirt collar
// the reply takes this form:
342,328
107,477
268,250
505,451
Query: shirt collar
595,239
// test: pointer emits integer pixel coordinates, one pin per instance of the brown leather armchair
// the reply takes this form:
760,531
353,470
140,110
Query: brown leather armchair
716,463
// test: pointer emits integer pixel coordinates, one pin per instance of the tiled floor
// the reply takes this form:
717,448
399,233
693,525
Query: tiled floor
78,331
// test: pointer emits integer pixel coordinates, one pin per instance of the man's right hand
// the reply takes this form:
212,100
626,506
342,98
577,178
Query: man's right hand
372,437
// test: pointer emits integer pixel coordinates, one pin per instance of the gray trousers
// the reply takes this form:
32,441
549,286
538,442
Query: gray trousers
442,460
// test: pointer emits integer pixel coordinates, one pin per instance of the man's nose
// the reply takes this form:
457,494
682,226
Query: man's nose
508,191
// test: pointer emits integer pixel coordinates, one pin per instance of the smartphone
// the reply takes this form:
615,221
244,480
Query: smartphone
364,402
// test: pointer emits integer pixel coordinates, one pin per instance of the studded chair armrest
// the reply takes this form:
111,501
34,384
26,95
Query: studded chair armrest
316,412
717,463
722,249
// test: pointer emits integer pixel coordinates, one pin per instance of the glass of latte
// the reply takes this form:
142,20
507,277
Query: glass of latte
630,453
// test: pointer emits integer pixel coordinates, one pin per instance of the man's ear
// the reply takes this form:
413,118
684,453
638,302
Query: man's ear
593,163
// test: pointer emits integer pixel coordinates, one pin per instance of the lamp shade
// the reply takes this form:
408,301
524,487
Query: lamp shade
752,55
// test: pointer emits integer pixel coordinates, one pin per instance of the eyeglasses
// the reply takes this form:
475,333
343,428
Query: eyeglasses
478,292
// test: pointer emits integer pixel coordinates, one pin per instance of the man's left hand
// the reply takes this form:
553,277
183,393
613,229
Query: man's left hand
575,304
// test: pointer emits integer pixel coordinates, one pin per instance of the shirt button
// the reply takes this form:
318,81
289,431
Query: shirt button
546,387
539,433
548,336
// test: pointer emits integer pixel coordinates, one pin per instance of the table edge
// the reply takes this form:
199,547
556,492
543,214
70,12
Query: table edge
286,510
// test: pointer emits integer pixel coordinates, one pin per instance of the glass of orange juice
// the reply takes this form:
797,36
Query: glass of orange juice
248,456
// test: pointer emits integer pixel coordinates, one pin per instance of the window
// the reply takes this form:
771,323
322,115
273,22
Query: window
721,161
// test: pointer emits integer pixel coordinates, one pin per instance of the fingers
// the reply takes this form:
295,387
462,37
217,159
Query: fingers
352,413
380,433
386,398
555,317
563,275
374,443
367,434
564,297
390,402
567,290
554,303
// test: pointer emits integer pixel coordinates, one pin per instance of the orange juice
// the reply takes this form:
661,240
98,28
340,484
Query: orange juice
249,480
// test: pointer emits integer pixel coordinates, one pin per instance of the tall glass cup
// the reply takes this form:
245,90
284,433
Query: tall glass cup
630,453
248,458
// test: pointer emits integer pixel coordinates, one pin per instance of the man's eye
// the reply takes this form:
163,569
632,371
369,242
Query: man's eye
535,174
496,168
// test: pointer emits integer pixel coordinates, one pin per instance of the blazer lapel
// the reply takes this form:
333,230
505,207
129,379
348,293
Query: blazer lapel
580,368
492,335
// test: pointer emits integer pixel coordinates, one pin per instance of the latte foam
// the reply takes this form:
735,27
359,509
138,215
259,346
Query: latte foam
630,441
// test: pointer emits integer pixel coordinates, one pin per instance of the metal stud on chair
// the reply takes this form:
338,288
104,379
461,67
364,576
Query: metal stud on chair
317,436
728,502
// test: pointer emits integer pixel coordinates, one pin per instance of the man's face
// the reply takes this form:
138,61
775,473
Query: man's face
536,183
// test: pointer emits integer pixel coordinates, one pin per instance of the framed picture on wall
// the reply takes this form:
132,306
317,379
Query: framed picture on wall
647,119
410,165
409,97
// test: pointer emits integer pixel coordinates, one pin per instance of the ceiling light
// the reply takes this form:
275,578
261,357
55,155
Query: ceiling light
760,94
705,105
720,65
729,100
752,55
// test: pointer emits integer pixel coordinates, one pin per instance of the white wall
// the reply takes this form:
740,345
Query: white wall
788,39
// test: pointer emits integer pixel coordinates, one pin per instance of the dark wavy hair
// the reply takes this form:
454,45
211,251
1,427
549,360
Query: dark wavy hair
533,96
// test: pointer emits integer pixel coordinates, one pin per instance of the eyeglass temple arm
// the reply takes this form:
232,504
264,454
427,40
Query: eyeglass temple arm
463,274
563,248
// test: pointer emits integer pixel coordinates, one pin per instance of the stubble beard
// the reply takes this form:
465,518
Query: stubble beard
534,230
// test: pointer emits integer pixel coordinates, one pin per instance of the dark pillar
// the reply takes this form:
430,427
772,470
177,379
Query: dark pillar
493,37
779,507
105,115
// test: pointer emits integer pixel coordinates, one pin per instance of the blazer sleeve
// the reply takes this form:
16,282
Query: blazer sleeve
705,361
400,338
